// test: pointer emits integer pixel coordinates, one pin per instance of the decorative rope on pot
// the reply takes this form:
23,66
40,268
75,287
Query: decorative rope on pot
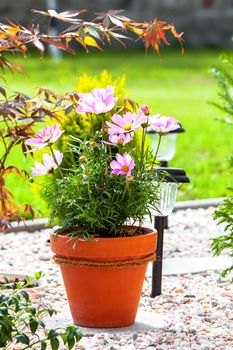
104,264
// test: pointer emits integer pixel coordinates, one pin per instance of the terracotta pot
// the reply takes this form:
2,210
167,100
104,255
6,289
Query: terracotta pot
104,297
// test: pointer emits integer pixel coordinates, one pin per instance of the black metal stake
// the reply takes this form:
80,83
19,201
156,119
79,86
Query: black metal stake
164,164
166,222
157,265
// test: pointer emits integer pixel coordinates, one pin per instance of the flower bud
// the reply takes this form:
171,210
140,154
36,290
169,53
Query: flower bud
93,144
82,159
145,109
105,129
129,178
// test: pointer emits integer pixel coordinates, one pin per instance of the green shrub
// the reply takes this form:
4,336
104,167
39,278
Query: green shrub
22,323
89,197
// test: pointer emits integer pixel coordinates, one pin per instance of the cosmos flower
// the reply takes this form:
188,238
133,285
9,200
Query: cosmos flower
46,136
49,164
97,101
121,139
126,123
123,165
163,125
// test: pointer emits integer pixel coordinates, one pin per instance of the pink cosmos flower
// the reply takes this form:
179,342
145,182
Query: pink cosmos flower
163,125
49,164
121,139
129,122
45,137
97,101
145,109
123,165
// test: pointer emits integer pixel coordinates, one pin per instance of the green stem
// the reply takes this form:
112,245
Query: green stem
92,126
103,122
156,152
55,160
3,159
125,189
143,148
88,183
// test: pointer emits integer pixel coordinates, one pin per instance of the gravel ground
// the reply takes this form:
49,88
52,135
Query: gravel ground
198,307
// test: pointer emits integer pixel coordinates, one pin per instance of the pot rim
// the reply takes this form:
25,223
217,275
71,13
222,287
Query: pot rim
106,248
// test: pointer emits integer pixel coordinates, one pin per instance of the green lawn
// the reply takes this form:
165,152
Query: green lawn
171,85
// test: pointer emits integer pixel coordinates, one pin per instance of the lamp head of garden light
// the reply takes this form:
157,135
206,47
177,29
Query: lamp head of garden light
167,147
171,180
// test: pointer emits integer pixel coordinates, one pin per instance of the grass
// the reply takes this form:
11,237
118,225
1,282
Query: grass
171,85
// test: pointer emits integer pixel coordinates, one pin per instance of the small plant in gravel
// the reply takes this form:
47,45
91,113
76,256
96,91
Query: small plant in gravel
17,283
22,323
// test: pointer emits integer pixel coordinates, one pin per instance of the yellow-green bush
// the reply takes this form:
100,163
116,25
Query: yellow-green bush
86,83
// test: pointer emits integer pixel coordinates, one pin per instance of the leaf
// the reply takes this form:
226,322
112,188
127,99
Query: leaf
12,169
51,312
113,17
78,334
23,339
93,31
70,342
25,295
58,44
54,342
38,44
38,275
33,324
118,37
66,16
43,345
88,40
3,91
28,209
32,310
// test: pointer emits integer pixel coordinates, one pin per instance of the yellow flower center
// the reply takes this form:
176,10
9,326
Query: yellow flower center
128,127
125,168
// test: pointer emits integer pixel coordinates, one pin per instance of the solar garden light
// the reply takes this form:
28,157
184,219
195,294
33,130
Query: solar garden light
171,180
167,148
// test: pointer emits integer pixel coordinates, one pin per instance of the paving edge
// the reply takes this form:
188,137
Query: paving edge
39,224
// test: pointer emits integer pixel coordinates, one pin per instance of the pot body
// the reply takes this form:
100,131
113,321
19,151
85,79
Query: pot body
104,297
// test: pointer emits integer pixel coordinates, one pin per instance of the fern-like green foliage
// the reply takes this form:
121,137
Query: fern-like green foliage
96,201
224,77
78,125
224,215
